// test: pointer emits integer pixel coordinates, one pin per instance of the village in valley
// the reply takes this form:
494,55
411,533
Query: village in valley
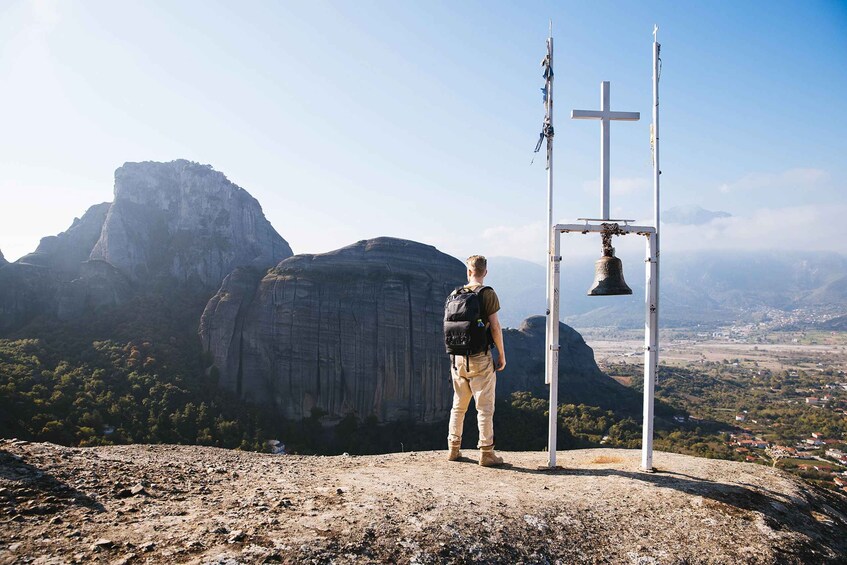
753,393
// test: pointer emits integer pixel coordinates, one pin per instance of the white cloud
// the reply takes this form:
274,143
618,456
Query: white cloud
805,228
525,242
45,14
808,228
793,178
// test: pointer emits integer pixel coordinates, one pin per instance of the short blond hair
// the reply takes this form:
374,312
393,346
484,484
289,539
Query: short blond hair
477,264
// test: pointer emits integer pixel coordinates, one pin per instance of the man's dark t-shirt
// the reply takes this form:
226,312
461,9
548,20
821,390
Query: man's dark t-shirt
489,303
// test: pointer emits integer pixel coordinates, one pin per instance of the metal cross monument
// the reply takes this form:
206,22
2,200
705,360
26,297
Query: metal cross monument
605,115
603,226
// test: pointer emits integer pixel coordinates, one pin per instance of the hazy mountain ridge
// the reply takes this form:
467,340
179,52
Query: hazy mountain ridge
696,288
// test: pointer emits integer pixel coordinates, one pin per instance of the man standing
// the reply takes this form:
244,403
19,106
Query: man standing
474,375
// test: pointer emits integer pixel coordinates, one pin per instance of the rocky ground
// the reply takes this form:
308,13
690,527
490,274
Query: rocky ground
181,504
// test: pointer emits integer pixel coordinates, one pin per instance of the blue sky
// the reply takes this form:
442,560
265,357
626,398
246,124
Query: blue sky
349,120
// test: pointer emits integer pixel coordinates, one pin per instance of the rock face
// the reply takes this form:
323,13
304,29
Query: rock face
187,221
357,330
195,504
177,222
360,330
26,291
3,260
64,253
99,284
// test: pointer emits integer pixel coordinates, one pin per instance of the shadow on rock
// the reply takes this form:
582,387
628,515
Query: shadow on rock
29,490
820,517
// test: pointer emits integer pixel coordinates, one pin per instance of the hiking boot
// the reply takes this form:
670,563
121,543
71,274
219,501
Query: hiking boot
487,457
454,453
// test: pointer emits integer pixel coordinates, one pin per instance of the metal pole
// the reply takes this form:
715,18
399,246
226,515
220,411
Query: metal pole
553,352
649,356
651,336
549,122
605,143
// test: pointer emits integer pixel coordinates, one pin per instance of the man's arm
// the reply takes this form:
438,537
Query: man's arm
497,335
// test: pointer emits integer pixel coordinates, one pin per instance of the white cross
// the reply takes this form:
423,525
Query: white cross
604,115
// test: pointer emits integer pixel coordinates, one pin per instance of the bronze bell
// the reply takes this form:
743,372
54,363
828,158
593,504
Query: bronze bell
608,277
608,270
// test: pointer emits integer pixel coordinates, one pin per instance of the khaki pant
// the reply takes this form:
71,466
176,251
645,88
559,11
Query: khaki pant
473,376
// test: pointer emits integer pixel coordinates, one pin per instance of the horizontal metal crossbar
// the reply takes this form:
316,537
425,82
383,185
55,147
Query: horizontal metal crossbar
589,228
602,220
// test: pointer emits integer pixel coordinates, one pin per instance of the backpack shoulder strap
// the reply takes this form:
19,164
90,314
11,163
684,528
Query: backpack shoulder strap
458,290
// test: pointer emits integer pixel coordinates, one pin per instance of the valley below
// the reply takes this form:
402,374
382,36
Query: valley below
773,397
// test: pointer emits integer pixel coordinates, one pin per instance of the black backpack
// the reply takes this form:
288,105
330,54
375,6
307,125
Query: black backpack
464,329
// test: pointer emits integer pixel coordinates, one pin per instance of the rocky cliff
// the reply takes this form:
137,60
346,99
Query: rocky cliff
29,286
182,504
64,254
360,330
357,330
186,221
580,379
179,224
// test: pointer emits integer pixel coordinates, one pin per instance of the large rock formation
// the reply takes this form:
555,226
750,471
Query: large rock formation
3,260
580,379
184,220
177,223
358,330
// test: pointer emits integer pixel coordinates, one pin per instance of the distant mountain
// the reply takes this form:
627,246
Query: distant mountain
700,288
691,215
186,221
171,224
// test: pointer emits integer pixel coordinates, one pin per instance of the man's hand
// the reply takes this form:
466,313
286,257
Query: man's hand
501,363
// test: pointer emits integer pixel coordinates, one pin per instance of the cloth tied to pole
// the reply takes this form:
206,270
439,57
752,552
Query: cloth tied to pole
547,127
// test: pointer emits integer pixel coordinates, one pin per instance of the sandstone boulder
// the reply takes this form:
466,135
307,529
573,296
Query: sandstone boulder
580,379
358,330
